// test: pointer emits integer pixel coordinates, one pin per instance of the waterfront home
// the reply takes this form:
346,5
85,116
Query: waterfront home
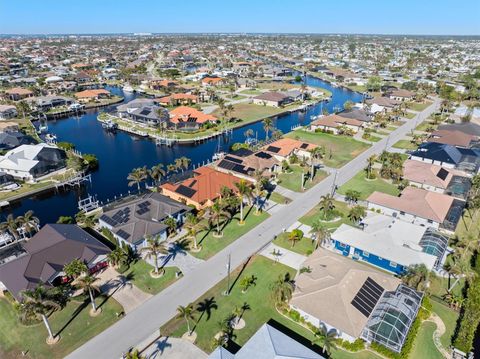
436,178
30,162
18,93
355,300
273,99
7,111
453,138
463,159
267,343
185,117
92,95
202,189
283,148
42,258
419,206
163,84
401,95
336,124
144,111
244,163
45,103
382,104
340,74
177,99
357,114
12,139
6,180
131,222
8,126
390,244
209,81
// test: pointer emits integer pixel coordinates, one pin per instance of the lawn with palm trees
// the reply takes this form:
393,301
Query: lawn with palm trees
366,187
331,222
73,323
293,178
249,112
303,245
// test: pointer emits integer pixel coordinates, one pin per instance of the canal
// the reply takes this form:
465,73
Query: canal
119,153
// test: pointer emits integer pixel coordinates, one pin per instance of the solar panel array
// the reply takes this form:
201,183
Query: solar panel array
233,159
273,149
120,217
367,297
143,208
122,234
185,191
263,155
442,174
231,166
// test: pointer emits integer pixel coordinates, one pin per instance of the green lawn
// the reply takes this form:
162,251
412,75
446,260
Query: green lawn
251,92
367,187
364,354
340,149
304,246
249,112
424,346
140,273
278,198
410,115
449,317
315,214
231,232
373,138
73,323
424,125
439,286
24,189
405,144
292,180
415,106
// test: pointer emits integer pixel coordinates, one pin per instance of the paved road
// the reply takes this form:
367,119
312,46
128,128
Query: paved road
146,319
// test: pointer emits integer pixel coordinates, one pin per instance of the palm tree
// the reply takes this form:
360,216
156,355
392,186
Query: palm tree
295,236
326,204
28,222
352,196
154,248
217,213
282,289
258,188
357,213
171,224
322,235
267,126
186,313
157,172
417,276
325,338
38,303
193,225
11,225
116,257
206,306
87,283
244,190
370,162
134,354
75,268
137,176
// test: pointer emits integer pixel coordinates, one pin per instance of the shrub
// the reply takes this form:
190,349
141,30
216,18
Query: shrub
356,346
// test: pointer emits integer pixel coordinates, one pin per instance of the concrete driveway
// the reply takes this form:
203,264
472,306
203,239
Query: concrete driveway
123,291
289,258
173,348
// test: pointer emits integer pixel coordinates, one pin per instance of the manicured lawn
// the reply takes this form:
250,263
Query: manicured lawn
439,286
251,92
305,246
424,125
367,187
315,214
231,232
140,273
410,115
364,354
449,317
73,323
415,106
24,188
339,149
249,112
424,346
292,180
405,144
278,198
373,138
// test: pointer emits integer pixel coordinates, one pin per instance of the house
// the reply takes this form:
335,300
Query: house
401,95
30,162
177,99
274,99
340,74
43,256
190,118
45,103
18,93
144,111
9,127
133,221
7,111
453,138
336,124
356,114
350,297
11,139
92,95
382,104
213,81
202,189
419,206
390,244
268,343
244,163
6,180
463,159
283,148
465,127
163,84
436,178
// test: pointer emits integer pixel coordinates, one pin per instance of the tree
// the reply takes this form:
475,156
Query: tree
282,289
325,338
39,303
348,105
244,190
326,204
134,354
171,224
87,283
186,313
206,306
295,236
28,222
321,232
217,213
370,162
157,172
193,226
417,276
247,282
374,83
357,213
352,196
258,189
75,268
267,126
154,248
11,224
137,176
65,220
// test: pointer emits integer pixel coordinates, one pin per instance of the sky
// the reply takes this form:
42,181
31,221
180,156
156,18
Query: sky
422,17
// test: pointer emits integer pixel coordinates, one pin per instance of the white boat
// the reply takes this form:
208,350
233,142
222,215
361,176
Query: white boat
218,156
334,84
76,107
128,88
50,137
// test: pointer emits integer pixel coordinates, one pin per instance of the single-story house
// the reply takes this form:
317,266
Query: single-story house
92,95
7,126
465,127
144,111
243,163
7,111
177,99
274,99
419,206
283,148
133,221
30,162
356,114
453,138
401,95
9,140
45,254
336,123
189,117
18,93
213,81
44,103
390,244
382,103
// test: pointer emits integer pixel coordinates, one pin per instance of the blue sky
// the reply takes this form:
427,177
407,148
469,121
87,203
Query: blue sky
460,17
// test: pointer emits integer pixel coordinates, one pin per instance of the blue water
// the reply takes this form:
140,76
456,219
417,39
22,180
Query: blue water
119,153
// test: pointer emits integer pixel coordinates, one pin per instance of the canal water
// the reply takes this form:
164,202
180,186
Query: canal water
119,153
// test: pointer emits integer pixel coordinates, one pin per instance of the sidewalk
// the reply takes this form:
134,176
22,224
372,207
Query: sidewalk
289,258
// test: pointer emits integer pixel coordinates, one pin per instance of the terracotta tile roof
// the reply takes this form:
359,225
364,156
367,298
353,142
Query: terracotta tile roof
286,146
416,201
177,96
212,80
429,174
19,91
189,114
91,93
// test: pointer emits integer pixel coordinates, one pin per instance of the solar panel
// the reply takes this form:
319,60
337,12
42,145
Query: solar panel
185,191
367,297
145,112
233,159
122,234
227,165
273,149
304,145
242,152
263,155
442,174
108,220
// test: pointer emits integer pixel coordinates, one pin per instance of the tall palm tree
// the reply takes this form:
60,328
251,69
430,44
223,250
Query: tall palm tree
258,188
157,172
370,162
193,225
11,224
75,268
217,213
267,126
87,283
417,277
186,313
38,303
295,236
282,289
154,248
28,222
116,257
322,235
325,338
326,204
244,190
357,213
137,176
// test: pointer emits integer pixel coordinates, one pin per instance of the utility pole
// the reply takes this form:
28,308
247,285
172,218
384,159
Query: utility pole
227,292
